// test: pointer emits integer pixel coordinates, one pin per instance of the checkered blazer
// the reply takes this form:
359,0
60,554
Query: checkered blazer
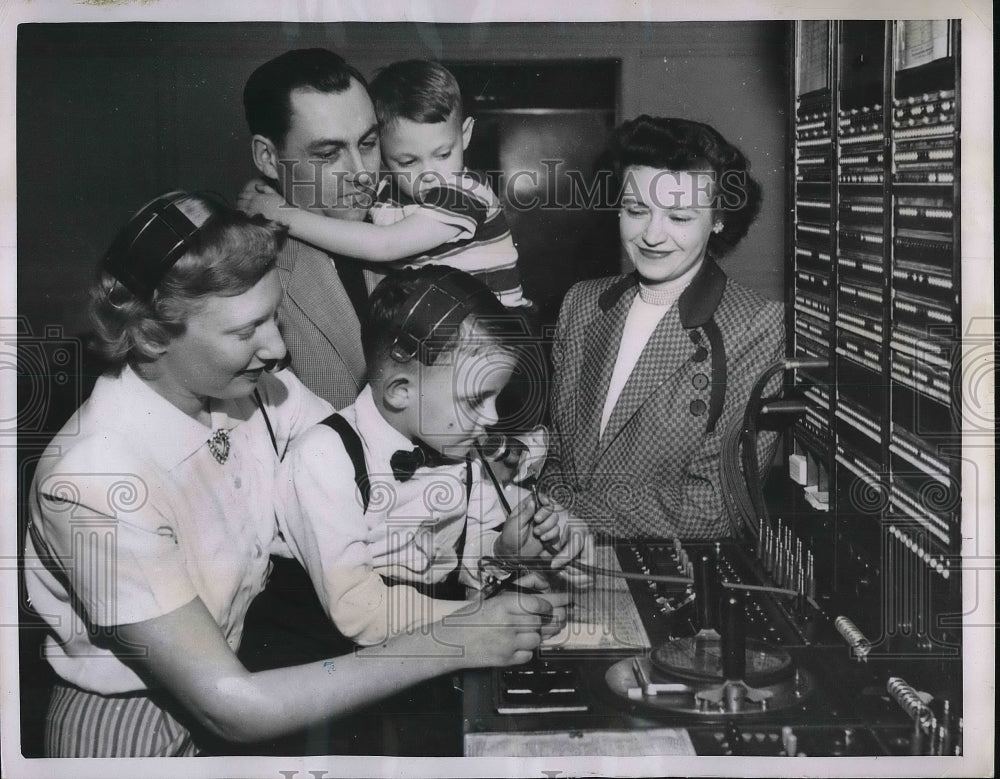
655,472
319,324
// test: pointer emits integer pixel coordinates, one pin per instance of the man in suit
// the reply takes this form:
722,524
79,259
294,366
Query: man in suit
315,139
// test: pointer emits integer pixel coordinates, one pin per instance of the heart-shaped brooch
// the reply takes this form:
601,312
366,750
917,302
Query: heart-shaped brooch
218,444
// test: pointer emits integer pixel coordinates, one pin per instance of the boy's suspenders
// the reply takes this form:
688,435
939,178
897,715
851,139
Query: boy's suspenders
352,445
287,624
450,587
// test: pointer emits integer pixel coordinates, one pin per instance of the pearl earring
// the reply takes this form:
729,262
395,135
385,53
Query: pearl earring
717,228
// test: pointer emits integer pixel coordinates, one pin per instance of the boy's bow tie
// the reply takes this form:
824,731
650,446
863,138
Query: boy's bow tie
405,461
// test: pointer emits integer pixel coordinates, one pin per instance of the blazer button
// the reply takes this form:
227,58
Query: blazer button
699,381
700,354
698,407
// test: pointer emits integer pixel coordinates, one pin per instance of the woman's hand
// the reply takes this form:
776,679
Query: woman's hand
504,630
579,549
260,198
185,653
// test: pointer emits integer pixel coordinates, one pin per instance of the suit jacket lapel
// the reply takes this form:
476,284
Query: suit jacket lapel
600,353
314,286
666,351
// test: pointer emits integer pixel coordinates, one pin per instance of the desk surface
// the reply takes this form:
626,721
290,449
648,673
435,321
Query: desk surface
824,705
604,728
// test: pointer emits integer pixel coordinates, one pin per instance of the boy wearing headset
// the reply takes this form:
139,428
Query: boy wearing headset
384,503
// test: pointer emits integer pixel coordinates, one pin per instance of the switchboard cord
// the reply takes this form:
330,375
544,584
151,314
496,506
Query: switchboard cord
525,564
738,463
536,564
740,477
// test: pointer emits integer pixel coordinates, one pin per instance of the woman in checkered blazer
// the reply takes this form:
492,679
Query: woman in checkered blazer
653,366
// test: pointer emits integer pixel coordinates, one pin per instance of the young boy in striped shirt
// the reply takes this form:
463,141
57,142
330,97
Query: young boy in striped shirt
429,209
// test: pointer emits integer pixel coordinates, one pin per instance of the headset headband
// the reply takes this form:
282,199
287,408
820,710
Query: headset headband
153,240
434,313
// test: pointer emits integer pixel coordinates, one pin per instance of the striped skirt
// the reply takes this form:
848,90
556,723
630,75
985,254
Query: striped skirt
87,724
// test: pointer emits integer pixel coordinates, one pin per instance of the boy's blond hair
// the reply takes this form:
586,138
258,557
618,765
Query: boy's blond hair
422,91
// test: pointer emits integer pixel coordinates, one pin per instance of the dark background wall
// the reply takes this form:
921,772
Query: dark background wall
110,115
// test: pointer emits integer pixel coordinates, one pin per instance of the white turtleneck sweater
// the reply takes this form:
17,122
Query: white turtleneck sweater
647,310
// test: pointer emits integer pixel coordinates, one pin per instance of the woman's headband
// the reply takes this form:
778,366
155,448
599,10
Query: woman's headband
154,240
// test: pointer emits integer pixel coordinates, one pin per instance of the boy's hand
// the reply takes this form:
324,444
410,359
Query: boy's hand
578,549
260,198
565,538
545,529
532,456
517,538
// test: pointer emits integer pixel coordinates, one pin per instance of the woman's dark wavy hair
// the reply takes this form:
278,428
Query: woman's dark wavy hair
227,256
683,145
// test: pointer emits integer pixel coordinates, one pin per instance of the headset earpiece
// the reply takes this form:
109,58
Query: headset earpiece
154,240
433,314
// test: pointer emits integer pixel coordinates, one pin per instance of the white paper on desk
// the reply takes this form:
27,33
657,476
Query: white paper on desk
609,743
603,617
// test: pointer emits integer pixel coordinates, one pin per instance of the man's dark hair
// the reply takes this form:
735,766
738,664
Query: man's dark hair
267,94
422,91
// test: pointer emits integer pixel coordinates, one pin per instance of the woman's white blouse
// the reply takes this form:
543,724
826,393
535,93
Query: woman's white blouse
645,315
132,517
